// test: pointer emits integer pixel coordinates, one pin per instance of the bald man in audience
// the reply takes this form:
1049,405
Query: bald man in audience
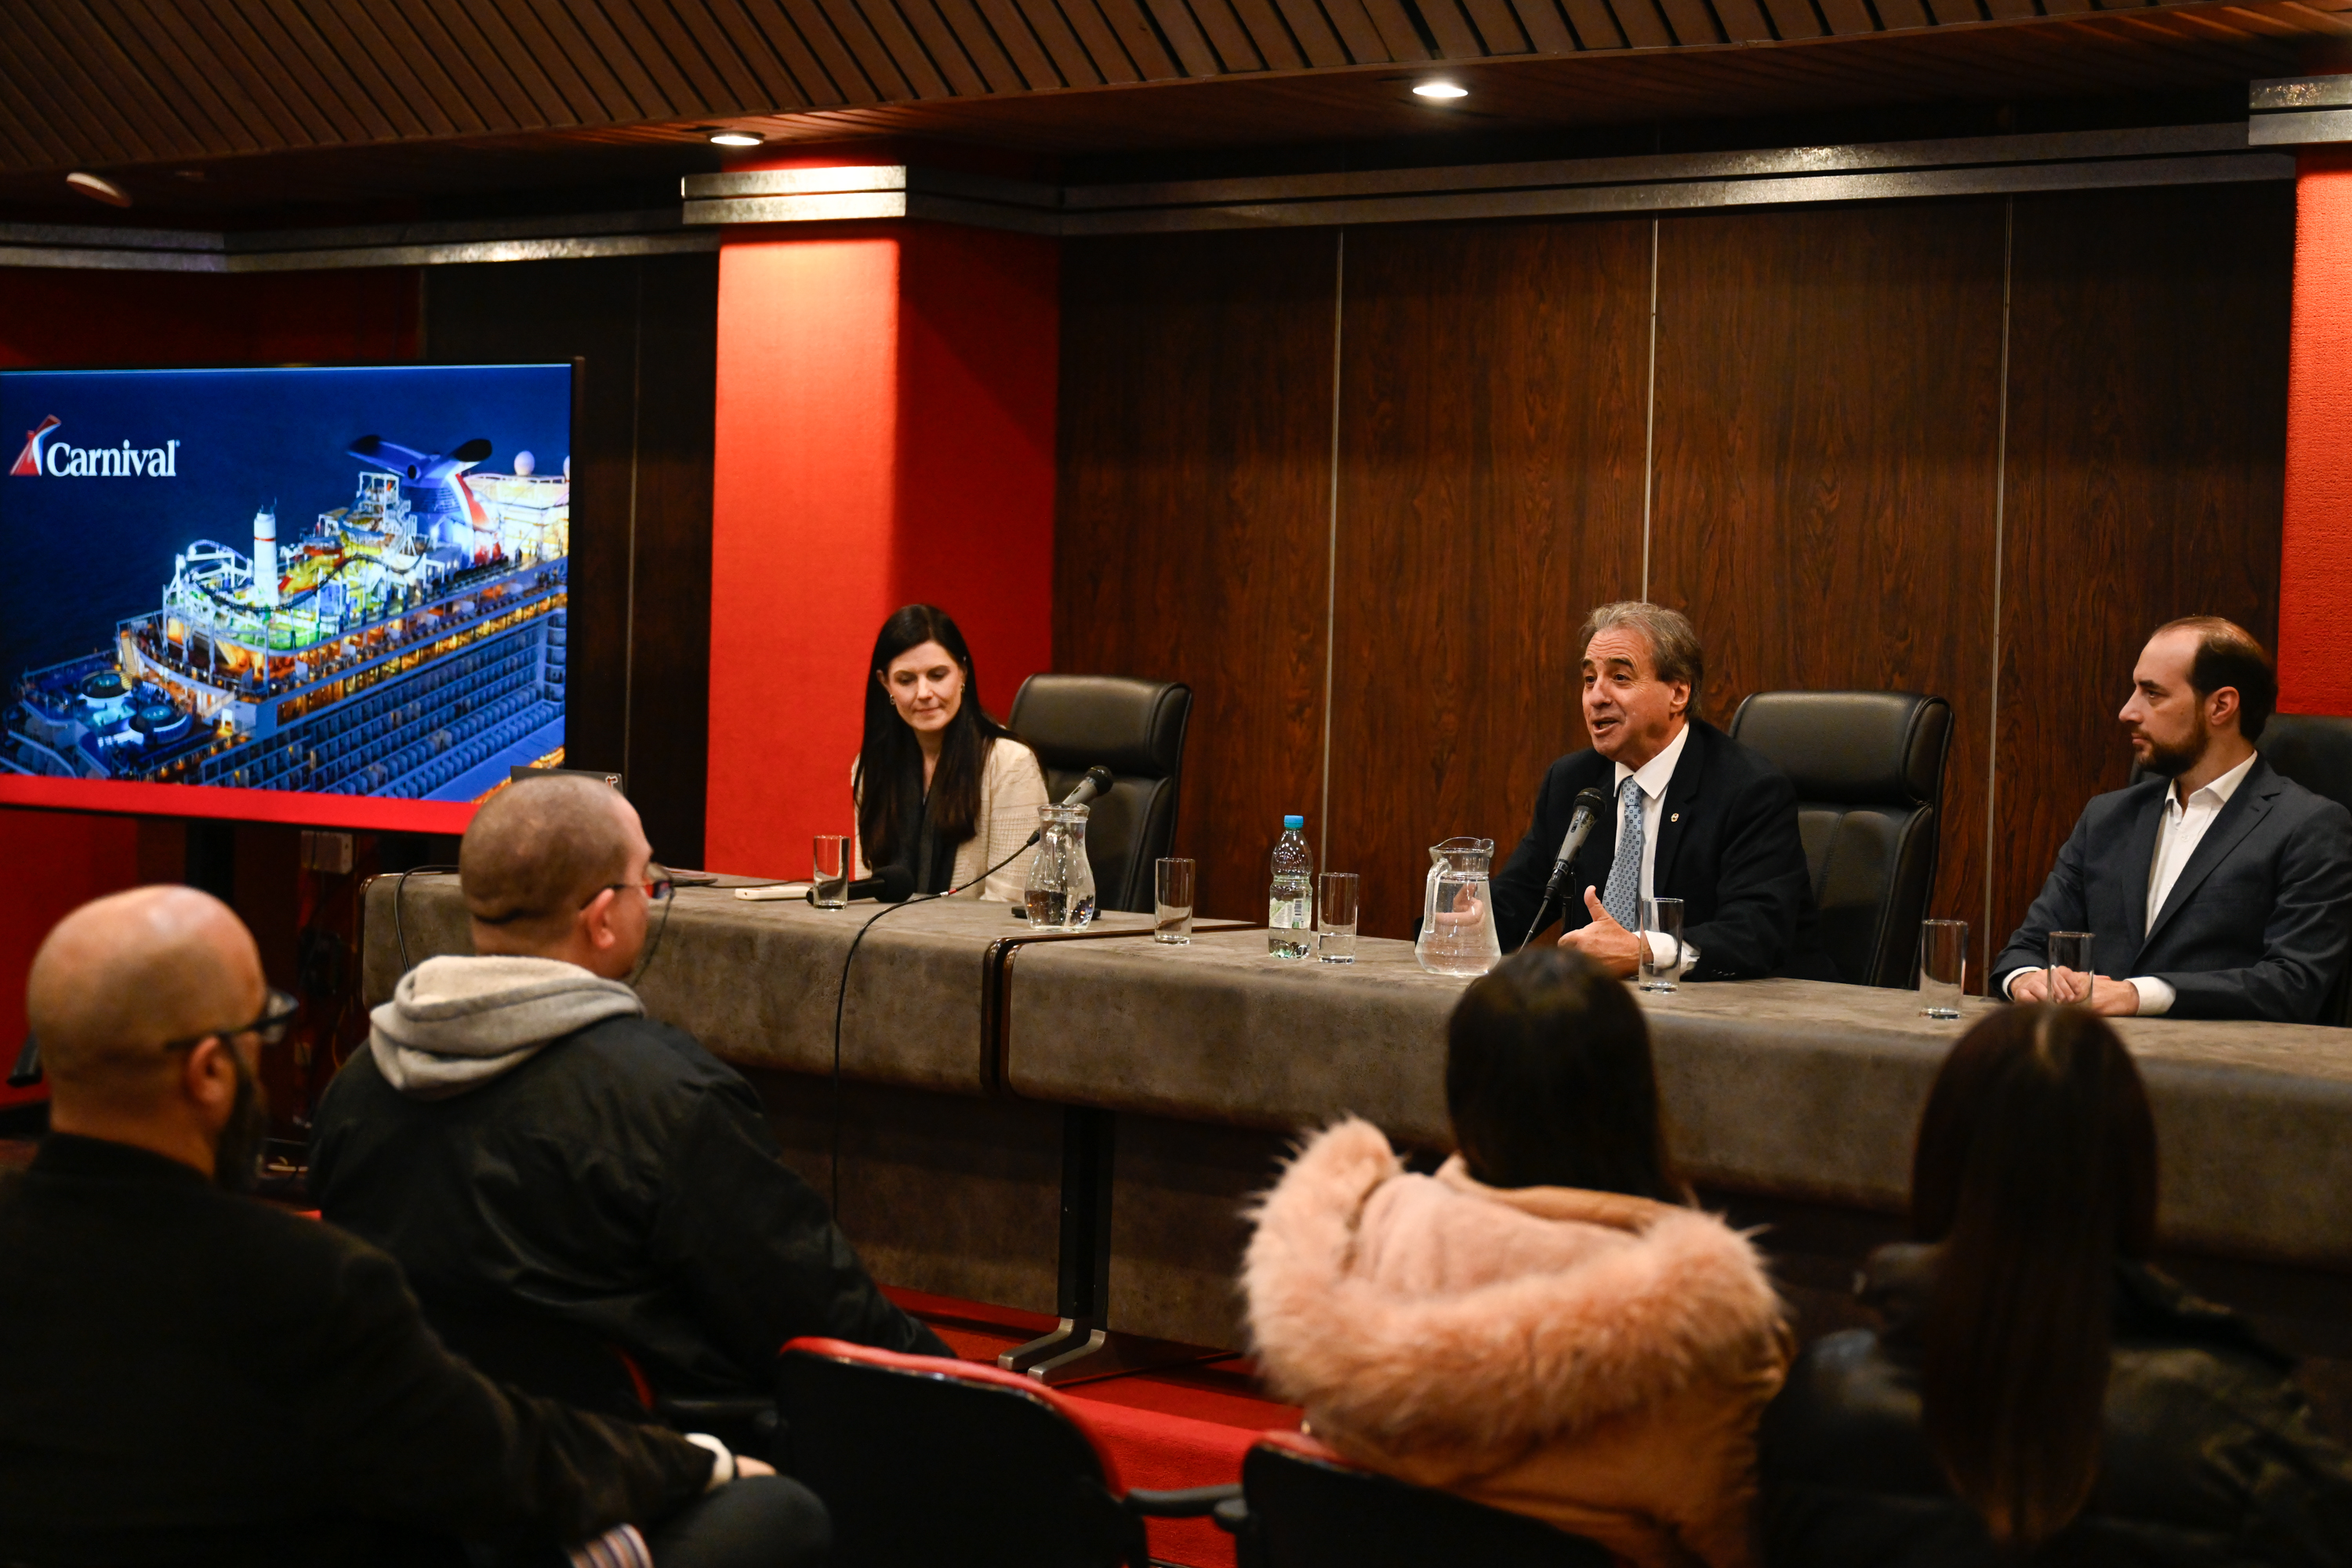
562,1176
194,1376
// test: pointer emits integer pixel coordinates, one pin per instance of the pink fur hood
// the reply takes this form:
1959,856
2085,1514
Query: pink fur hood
1419,1313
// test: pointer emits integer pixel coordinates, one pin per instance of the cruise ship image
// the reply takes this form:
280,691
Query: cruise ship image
409,645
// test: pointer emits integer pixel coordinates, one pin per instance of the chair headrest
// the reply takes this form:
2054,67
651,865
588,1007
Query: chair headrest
2314,749
1859,748
1129,725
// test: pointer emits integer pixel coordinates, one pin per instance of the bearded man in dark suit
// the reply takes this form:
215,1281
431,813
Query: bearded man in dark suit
1695,816
2215,887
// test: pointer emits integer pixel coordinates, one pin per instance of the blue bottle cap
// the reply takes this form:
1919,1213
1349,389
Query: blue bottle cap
1293,824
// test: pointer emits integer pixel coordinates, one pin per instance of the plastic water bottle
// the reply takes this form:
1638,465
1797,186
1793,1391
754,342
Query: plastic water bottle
1290,905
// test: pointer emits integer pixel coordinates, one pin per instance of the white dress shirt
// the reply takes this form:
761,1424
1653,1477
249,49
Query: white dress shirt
2181,829
1651,778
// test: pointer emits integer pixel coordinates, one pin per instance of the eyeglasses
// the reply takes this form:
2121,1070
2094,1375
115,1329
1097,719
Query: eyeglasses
655,885
277,1014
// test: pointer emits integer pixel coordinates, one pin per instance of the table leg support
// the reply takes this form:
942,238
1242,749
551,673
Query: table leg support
1082,1347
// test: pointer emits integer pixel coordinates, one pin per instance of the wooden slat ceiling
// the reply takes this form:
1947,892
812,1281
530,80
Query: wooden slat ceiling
117,84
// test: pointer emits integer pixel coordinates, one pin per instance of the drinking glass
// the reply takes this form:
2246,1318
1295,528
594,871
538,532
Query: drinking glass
1943,967
830,888
1171,903
1334,925
2070,966
1661,917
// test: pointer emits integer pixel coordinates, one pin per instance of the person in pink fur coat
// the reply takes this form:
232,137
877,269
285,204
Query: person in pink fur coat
1545,1325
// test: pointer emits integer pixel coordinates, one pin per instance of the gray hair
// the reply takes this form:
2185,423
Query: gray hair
1675,652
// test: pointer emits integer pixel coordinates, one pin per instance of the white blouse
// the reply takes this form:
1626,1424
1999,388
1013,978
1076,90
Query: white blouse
1011,788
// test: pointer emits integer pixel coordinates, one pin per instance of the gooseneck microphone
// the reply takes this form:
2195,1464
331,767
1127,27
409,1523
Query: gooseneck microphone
1589,804
889,885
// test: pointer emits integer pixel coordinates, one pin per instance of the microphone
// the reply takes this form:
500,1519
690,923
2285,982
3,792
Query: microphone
1098,779
889,885
1589,804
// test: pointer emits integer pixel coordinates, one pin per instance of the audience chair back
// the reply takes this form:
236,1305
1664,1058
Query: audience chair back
1135,729
2315,750
924,1462
1309,1509
1868,767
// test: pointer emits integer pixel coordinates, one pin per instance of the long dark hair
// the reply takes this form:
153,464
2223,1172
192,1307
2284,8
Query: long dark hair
1550,1083
2035,1171
890,780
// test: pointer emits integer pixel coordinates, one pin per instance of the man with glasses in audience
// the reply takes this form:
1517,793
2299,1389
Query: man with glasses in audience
196,1376
563,1177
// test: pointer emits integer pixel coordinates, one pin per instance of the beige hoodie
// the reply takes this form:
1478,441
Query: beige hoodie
1596,1360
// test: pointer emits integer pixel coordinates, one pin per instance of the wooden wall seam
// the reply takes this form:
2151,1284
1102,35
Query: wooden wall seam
1986,945
1331,558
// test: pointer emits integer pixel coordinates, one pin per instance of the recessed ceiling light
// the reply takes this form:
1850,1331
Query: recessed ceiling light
1440,89
98,190
738,139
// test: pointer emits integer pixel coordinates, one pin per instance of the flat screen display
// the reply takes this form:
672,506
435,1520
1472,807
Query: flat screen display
328,595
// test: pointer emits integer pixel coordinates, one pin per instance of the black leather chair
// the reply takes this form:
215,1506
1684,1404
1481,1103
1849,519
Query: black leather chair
1307,1509
1135,729
2315,750
922,1462
1868,767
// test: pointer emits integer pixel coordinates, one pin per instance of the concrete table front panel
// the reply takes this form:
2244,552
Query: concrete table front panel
1781,1087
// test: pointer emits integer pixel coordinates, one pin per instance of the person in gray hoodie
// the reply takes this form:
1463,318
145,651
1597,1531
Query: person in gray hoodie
562,1177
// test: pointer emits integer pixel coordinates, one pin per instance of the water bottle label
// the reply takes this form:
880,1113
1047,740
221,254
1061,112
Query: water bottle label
1288,914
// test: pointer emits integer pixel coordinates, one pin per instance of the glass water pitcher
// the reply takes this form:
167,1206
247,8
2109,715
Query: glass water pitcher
1457,910
1061,881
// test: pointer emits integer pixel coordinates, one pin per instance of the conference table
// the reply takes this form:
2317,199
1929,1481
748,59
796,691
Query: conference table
969,1027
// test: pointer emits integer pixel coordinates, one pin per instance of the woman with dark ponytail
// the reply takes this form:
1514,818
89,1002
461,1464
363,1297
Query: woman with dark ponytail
2040,1393
939,786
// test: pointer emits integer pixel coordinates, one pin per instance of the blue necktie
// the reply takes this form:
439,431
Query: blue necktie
1621,896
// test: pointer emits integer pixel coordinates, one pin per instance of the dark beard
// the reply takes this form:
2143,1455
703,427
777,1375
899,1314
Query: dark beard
237,1153
2171,761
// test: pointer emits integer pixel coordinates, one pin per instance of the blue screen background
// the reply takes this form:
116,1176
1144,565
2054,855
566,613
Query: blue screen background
78,554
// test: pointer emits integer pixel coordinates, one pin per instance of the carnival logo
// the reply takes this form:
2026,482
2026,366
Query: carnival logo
64,462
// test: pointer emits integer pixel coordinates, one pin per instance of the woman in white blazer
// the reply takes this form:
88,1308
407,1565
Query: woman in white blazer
941,787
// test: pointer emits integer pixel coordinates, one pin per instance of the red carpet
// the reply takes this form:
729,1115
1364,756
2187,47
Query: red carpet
1181,1427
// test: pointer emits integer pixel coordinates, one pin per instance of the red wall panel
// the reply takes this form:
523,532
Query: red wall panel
59,861
363,316
979,348
885,435
2315,636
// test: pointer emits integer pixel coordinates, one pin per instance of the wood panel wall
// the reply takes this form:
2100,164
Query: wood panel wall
1849,442
638,658
1194,525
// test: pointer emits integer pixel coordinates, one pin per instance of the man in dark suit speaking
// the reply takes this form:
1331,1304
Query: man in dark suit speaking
2215,889
1695,816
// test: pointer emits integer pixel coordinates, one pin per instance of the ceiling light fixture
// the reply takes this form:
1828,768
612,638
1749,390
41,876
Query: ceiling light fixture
738,139
98,190
1440,89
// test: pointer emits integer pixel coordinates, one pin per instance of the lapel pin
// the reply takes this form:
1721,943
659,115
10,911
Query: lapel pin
1677,817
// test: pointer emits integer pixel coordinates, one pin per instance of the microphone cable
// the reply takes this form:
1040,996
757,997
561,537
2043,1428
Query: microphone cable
399,934
841,995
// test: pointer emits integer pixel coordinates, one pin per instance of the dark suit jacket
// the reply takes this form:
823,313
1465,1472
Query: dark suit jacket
1728,847
2256,925
197,1378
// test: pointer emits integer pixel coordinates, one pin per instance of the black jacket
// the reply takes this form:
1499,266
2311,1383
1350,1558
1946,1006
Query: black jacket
193,1377
624,1182
2211,1455
1728,847
2255,928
